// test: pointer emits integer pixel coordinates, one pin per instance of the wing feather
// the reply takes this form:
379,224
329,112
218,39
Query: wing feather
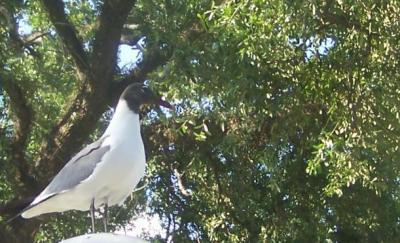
76,170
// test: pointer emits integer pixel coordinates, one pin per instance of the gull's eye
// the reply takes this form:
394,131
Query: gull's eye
144,89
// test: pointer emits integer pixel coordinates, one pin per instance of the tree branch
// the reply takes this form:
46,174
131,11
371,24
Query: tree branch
34,38
15,41
107,38
21,112
181,187
22,116
55,10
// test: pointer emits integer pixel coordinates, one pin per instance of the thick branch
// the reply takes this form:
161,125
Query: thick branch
21,115
21,112
67,32
107,38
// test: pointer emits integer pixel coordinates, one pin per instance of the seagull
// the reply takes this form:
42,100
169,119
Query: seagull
106,171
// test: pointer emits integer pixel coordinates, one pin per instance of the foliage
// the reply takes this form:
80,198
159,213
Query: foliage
286,125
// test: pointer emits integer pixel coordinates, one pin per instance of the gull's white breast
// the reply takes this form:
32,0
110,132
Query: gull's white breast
123,166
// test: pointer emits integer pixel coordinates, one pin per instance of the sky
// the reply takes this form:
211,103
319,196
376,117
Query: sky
151,225
126,56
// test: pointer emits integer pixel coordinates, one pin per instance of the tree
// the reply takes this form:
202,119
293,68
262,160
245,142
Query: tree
286,124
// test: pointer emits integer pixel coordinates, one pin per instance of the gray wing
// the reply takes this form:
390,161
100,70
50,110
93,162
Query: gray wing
78,168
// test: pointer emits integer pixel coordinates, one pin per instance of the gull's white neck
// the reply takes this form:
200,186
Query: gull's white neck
125,122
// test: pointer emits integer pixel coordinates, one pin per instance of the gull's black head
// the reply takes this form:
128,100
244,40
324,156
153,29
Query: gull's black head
137,94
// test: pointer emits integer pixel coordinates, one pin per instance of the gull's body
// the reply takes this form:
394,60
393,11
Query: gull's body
105,172
114,176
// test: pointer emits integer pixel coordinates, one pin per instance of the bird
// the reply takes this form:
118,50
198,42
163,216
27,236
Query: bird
106,171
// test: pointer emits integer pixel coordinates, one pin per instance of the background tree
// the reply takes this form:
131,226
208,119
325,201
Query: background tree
286,125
